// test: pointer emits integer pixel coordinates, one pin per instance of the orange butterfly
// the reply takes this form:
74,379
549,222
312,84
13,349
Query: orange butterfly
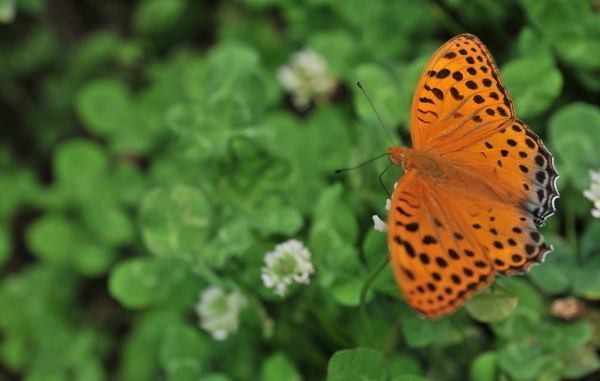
477,185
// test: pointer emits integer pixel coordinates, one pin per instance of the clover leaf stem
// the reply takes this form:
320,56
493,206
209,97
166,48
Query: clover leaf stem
363,295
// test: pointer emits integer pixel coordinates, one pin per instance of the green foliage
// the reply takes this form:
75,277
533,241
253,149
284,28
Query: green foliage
278,367
574,131
491,306
534,83
149,152
361,364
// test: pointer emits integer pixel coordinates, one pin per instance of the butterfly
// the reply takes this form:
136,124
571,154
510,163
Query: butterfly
477,185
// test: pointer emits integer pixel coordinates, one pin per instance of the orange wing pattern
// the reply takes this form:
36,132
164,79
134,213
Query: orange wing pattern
450,234
437,261
459,94
516,165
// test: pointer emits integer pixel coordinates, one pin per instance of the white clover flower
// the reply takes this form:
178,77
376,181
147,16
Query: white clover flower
219,311
288,264
593,194
378,223
306,78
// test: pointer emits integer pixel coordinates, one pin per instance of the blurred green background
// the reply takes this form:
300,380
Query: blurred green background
150,150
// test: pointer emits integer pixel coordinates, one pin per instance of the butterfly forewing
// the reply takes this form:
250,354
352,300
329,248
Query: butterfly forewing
459,92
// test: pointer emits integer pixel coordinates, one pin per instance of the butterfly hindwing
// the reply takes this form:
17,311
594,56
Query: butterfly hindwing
516,164
436,260
505,234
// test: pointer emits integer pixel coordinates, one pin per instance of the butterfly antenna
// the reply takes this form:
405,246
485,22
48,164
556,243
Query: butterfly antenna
381,180
375,111
338,171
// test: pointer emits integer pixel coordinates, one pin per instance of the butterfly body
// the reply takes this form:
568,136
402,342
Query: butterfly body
422,162
439,171
477,186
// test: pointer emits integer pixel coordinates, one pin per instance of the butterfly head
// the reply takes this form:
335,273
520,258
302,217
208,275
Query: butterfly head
398,155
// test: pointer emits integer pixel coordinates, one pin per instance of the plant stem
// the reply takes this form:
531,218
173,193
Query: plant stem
363,296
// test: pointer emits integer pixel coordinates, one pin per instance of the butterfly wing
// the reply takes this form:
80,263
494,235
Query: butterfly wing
507,235
438,262
492,155
459,97
499,188
516,164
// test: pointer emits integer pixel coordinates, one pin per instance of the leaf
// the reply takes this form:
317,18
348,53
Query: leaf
328,138
158,16
522,323
130,182
563,337
36,49
93,53
275,217
235,90
529,298
383,90
570,26
575,136
80,167
337,48
146,282
483,367
420,333
175,222
278,367
140,351
492,306
334,224
586,280
531,44
53,238
360,364
403,364
93,259
109,223
346,291
103,105
590,244
534,84
522,360
184,353
14,352
555,275
580,362
233,239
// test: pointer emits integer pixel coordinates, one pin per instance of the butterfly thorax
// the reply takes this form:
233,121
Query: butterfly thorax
421,162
